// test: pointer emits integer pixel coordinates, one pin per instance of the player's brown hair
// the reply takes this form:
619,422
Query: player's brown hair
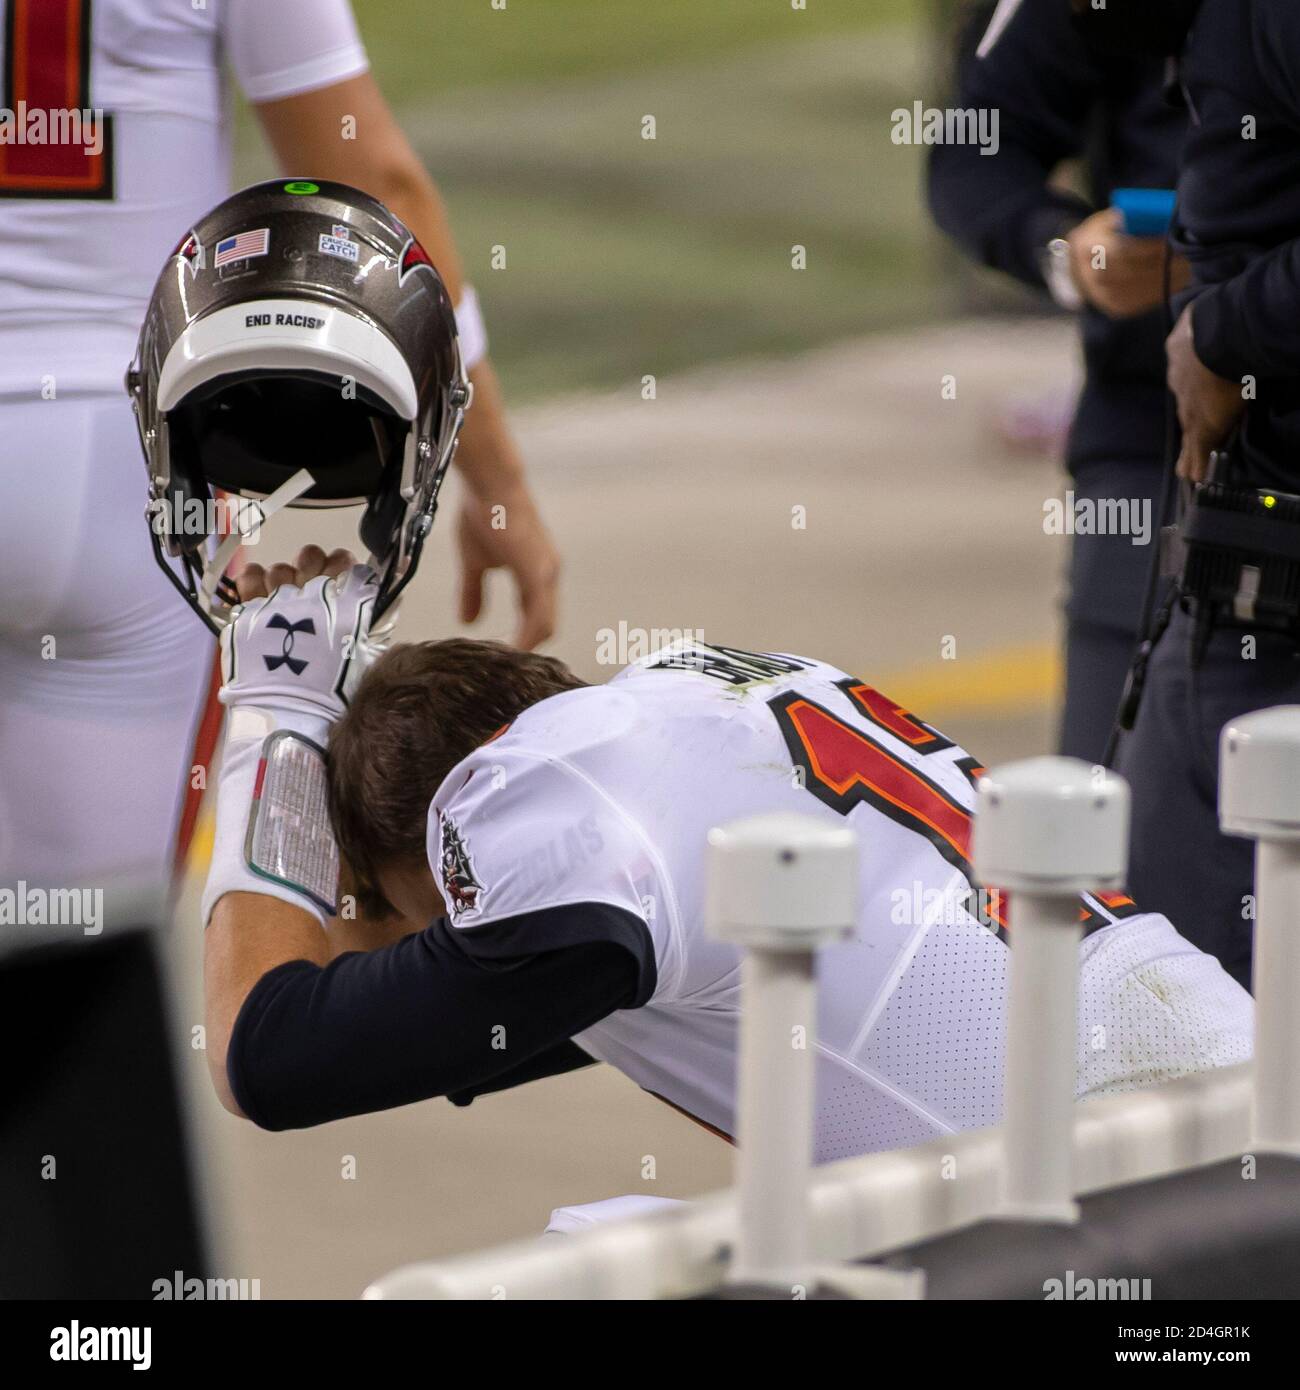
419,710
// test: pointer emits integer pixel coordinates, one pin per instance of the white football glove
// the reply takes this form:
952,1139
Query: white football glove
300,653
290,663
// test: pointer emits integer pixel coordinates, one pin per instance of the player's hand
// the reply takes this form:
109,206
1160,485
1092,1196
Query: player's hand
255,582
509,533
298,643
1121,275
1209,406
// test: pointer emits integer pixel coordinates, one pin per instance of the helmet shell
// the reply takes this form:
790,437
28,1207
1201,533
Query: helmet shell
299,324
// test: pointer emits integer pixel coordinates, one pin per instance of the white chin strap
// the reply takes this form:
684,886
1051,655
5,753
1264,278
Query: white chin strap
250,517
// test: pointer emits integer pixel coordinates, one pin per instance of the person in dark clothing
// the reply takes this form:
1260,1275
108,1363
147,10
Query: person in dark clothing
1234,369
1057,100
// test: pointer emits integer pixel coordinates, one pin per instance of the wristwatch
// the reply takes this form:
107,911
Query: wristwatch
1058,276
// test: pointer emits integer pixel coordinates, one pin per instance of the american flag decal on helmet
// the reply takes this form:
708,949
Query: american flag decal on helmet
242,247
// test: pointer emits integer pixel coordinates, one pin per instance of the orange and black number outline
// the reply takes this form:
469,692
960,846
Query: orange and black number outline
873,775
44,38
1114,907
893,718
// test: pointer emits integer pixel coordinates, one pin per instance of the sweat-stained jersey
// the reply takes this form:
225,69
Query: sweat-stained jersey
599,800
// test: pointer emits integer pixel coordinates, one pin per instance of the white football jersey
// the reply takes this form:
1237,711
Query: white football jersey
86,226
605,795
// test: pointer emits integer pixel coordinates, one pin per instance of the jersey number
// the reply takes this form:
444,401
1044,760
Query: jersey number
844,765
44,90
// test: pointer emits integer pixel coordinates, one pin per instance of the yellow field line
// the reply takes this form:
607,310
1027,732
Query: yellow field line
1007,680
200,851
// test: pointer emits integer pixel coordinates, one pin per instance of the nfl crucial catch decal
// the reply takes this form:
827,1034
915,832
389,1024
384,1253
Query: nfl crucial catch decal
242,247
339,244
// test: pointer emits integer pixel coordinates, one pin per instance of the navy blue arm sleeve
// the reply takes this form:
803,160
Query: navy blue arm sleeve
555,1061
440,1013
1042,83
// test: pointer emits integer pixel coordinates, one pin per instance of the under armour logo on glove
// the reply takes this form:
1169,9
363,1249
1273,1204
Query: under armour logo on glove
328,620
286,657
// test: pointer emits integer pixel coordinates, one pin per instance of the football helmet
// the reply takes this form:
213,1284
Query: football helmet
299,349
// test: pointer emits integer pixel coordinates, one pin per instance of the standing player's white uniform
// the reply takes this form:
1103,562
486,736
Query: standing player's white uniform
605,796
103,668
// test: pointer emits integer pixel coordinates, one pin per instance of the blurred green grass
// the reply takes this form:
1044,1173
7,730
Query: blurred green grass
626,256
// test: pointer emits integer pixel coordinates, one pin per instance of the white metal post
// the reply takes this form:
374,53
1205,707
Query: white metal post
1039,1070
1259,797
775,1110
1045,830
780,886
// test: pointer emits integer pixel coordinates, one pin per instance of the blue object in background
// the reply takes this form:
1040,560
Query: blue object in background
1145,211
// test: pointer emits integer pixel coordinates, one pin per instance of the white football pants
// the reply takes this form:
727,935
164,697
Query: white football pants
103,667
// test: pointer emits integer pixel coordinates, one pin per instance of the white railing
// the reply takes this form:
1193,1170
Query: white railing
1046,830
